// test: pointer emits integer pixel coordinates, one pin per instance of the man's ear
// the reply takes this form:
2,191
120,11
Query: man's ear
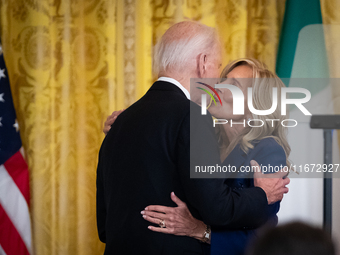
201,65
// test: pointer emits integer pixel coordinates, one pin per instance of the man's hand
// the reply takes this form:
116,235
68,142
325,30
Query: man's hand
110,120
274,185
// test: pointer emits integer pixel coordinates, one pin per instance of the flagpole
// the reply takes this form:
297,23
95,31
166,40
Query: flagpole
328,123
327,181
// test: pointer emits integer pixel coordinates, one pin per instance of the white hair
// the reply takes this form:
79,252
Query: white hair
175,53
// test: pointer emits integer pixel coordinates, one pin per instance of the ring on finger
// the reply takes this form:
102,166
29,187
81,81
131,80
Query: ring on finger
162,224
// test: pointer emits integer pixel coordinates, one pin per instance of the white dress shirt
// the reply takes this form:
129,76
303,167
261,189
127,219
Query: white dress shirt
173,81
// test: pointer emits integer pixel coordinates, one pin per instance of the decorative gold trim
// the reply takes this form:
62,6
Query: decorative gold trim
129,51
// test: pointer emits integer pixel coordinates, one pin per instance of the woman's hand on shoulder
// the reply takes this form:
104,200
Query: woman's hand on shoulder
174,220
110,120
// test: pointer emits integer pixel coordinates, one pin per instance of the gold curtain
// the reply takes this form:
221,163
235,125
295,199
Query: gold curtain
71,63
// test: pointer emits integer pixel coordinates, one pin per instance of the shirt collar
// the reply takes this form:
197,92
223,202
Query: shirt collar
173,81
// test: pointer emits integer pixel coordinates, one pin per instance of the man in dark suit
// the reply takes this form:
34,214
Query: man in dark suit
146,155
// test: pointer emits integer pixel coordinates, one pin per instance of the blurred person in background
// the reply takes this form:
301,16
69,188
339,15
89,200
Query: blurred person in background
294,238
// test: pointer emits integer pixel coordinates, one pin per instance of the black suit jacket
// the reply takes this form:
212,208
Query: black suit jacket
143,158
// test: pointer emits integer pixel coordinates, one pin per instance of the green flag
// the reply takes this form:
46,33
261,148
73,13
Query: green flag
312,58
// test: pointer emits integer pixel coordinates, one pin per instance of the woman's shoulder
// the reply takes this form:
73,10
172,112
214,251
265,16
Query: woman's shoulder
265,145
267,151
268,144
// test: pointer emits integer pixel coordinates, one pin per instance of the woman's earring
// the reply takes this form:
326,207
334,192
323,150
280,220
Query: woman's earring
209,103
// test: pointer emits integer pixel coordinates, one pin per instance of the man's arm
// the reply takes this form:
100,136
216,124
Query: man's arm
274,185
271,153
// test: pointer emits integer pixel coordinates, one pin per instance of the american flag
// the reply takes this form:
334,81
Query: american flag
15,224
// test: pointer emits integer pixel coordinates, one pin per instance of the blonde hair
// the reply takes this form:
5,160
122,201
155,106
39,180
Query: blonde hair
262,100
